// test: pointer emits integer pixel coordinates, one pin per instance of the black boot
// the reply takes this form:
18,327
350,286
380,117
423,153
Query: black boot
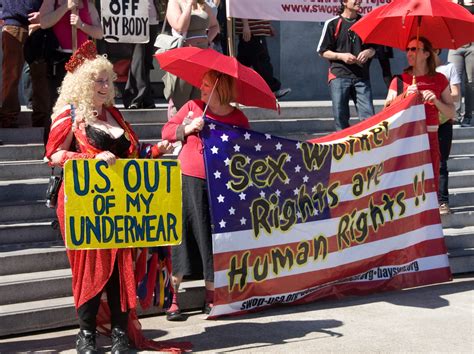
466,122
85,342
119,341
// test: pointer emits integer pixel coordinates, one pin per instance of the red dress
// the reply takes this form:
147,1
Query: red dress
91,269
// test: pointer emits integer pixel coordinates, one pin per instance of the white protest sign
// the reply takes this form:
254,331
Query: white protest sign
125,21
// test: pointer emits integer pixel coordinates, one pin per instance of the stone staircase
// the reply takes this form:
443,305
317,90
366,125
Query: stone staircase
35,280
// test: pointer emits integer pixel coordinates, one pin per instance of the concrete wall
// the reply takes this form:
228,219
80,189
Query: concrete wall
297,65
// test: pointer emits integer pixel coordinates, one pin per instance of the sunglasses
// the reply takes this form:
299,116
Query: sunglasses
412,49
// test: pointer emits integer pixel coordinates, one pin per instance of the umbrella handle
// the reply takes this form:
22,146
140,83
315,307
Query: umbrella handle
74,32
418,25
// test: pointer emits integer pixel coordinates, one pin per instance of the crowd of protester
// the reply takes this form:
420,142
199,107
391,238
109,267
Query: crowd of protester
60,90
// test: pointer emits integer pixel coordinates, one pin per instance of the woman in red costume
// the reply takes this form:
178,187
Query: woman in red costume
433,88
85,125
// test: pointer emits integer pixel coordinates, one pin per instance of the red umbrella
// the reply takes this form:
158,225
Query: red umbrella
444,23
191,63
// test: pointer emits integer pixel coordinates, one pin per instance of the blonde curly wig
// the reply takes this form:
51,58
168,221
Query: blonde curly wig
78,89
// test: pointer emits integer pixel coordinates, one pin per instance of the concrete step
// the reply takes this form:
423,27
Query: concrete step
459,217
23,190
60,312
16,288
461,197
461,162
12,211
21,152
461,260
32,257
462,147
461,179
463,133
24,169
28,232
462,237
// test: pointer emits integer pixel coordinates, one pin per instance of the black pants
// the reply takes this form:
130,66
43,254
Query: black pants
445,137
254,53
87,313
138,88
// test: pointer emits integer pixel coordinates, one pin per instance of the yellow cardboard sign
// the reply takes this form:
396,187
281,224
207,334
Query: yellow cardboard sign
134,203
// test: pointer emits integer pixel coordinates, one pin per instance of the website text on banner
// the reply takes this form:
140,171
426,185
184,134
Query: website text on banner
297,221
293,10
134,203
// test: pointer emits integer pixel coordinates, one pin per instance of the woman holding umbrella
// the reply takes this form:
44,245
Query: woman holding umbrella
433,88
217,91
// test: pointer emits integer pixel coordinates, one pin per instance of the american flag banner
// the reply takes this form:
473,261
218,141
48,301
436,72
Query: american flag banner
351,213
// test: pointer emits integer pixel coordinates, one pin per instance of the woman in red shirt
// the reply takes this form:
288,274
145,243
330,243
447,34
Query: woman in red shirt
433,88
196,247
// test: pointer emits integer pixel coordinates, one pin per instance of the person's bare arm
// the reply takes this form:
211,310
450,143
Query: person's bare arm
179,20
50,16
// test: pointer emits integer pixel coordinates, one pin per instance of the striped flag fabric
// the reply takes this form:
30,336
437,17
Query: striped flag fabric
351,213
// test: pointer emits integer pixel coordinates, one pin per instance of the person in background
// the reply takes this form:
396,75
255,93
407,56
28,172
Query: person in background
138,93
463,60
445,132
195,21
21,18
216,42
252,51
349,62
58,15
383,55
196,247
433,88
86,125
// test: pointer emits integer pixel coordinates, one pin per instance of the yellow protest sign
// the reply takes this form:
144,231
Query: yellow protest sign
134,203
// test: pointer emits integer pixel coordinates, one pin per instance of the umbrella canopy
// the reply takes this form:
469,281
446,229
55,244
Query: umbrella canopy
444,23
191,63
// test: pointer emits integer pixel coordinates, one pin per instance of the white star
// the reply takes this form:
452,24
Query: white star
297,168
258,147
212,126
298,215
313,189
248,159
214,150
243,221
295,191
278,146
305,179
217,175
227,161
278,193
236,148
231,211
287,181
242,196
220,198
228,185
222,224
247,136
316,211
224,137
262,194
288,158
268,136
298,145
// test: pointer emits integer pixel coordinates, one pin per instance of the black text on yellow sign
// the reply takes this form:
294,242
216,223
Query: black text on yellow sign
134,203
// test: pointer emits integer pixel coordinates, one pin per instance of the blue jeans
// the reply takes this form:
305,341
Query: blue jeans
342,89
